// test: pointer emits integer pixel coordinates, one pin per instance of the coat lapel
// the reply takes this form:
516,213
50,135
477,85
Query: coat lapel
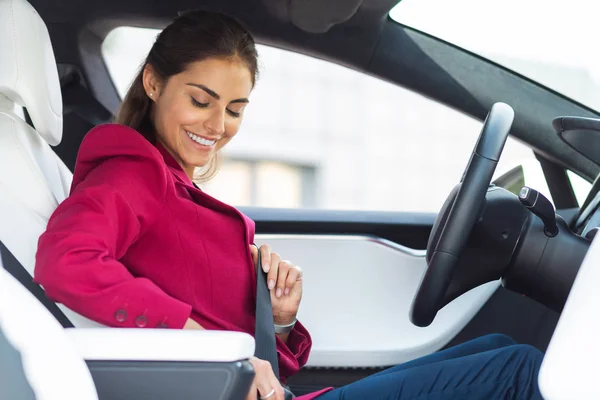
201,198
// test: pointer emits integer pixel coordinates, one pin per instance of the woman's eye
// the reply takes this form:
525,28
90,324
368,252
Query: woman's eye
198,104
233,113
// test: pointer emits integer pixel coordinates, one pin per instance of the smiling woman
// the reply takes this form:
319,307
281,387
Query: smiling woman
192,121
193,109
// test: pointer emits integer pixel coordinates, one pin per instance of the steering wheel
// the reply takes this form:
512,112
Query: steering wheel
458,216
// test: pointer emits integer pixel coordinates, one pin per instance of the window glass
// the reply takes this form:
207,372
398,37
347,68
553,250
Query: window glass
581,187
549,41
278,184
234,185
320,135
262,184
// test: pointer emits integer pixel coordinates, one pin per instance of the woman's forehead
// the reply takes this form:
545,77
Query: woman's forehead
227,77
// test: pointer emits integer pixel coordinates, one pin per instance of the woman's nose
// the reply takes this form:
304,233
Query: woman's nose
216,122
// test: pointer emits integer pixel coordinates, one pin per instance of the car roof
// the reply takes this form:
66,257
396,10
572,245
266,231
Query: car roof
356,33
342,30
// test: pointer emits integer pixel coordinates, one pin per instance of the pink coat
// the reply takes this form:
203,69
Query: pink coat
137,245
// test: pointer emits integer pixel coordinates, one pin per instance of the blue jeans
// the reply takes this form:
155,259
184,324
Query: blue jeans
491,367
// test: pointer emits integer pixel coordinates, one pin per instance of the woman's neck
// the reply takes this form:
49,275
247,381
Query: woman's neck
189,170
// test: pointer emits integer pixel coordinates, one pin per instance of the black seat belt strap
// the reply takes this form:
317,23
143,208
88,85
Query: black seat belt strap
264,337
266,346
16,269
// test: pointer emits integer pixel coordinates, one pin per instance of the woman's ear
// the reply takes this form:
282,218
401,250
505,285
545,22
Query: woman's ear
151,82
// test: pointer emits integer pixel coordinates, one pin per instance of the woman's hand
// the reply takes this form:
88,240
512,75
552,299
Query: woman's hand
284,280
265,385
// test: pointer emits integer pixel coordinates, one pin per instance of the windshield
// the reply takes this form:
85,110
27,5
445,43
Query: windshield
551,42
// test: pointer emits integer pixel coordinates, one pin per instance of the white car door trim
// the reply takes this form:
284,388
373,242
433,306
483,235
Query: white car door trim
357,294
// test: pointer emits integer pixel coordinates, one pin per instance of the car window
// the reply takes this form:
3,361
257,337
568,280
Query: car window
319,135
581,187
548,41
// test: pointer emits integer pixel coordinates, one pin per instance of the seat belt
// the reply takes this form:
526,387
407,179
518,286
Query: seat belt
266,345
264,337
16,269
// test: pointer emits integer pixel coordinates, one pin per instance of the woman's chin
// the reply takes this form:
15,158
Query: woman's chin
200,162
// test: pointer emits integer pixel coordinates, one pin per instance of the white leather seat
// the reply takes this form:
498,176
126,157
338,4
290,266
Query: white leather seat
33,180
52,365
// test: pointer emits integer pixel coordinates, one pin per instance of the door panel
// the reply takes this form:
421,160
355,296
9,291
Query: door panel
339,250
369,283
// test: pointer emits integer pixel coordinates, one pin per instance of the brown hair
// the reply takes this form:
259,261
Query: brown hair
191,37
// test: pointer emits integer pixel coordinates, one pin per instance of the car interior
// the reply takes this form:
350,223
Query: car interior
495,259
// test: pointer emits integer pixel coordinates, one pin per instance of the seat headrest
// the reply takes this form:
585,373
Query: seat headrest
28,71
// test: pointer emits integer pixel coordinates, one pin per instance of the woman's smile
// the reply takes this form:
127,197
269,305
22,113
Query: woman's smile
200,142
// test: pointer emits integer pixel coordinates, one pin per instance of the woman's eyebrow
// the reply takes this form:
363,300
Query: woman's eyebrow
211,92
214,94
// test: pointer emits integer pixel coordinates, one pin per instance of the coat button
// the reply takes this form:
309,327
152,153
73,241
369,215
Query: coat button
141,321
121,315
162,325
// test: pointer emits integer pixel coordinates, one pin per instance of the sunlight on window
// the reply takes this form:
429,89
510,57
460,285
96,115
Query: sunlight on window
278,185
233,184
262,184
547,40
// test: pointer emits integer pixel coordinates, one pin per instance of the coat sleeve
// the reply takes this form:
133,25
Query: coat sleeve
293,355
114,199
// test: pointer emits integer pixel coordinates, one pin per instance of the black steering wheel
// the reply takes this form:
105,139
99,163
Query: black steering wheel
459,214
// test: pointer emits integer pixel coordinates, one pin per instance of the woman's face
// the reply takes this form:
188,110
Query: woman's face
198,111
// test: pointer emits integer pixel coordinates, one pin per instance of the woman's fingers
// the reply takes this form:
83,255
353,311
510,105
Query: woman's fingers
253,393
265,254
278,394
265,382
282,276
270,390
272,276
287,279
294,275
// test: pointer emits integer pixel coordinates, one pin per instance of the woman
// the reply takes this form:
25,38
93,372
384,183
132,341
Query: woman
137,244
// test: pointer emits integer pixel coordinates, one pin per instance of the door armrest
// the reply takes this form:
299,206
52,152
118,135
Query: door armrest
114,344
156,364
